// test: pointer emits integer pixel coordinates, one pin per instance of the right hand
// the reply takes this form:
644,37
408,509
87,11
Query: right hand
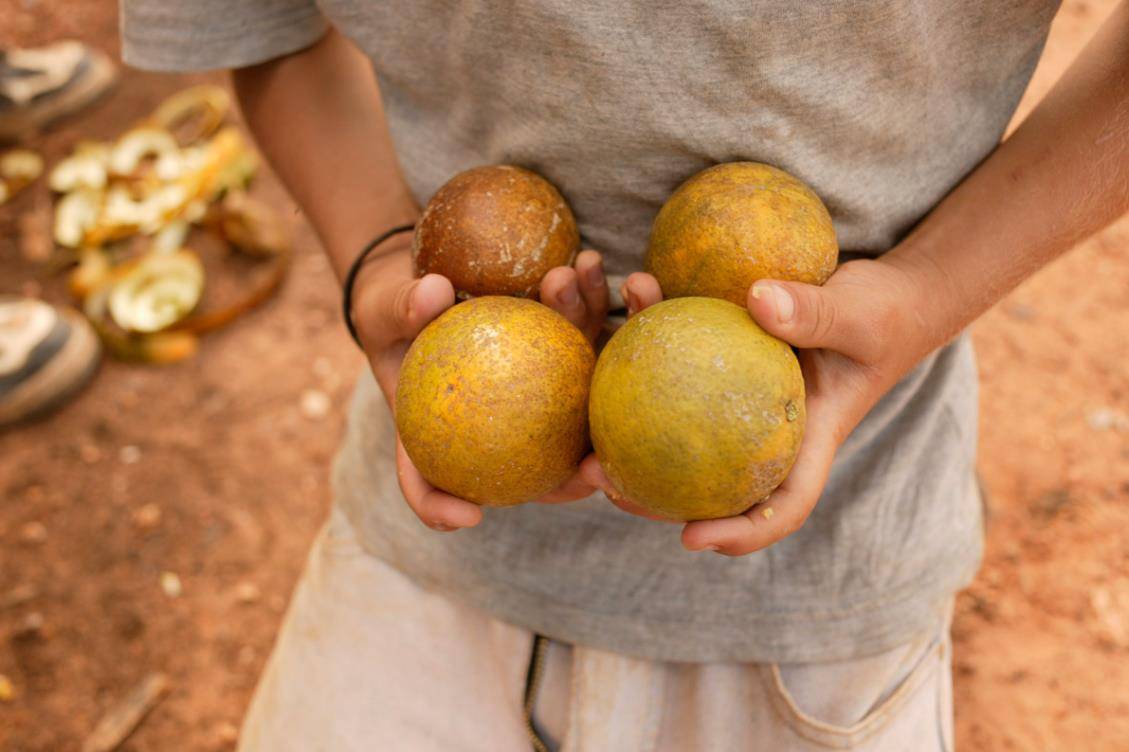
391,307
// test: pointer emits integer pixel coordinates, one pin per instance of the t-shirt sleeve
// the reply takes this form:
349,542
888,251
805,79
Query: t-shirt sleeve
171,35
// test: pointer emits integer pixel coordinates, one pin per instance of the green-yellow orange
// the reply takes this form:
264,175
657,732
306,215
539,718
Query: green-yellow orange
491,404
735,223
696,412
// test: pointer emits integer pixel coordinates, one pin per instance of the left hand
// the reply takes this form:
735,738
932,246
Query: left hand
858,335
580,294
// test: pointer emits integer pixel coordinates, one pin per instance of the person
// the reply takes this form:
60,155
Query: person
40,85
47,352
424,622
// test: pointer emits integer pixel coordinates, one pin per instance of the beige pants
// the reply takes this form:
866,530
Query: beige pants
366,660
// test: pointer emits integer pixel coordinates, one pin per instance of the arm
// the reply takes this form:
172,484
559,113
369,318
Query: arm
317,117
1063,175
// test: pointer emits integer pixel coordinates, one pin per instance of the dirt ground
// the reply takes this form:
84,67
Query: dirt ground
216,470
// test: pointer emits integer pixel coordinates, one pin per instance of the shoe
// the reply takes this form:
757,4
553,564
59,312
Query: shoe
41,85
46,355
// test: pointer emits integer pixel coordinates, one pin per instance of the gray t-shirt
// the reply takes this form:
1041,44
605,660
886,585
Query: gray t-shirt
882,106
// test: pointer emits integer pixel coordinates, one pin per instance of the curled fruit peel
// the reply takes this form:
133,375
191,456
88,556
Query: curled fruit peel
156,292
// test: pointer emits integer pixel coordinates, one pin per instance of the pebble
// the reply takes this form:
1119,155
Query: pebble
129,454
33,533
247,592
147,517
1112,614
171,585
227,734
19,595
1104,419
315,404
29,627
7,689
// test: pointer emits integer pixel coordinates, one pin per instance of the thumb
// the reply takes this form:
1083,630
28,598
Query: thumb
403,310
807,316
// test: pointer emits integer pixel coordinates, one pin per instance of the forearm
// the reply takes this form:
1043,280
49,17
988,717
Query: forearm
1063,175
317,117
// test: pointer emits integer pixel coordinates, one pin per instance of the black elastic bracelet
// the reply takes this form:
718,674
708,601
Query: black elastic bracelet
351,277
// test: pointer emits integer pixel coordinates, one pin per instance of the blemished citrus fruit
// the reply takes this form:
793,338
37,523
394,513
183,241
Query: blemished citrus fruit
696,412
495,230
492,400
735,223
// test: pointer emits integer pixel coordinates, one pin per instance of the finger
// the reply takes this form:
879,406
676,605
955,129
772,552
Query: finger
575,487
405,310
593,473
808,316
785,510
560,290
639,291
438,510
593,289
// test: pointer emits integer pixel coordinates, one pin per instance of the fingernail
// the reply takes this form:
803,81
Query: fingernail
595,276
441,527
782,301
712,547
569,295
632,304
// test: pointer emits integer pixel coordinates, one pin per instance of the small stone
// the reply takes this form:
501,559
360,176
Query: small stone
227,734
89,453
1105,419
19,595
315,404
29,628
171,585
247,592
1112,611
7,689
147,517
129,454
33,533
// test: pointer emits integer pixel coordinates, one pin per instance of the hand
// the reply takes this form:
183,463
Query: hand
391,307
858,334
580,294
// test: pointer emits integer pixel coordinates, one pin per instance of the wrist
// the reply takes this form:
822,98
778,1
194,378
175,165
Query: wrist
378,270
926,301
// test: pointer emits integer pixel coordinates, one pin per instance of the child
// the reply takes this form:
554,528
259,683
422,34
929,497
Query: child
820,625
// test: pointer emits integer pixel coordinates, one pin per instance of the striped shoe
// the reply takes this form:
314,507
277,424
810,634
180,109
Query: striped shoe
46,355
42,84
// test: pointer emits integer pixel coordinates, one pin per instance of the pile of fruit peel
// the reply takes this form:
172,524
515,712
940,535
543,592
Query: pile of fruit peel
19,168
126,209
